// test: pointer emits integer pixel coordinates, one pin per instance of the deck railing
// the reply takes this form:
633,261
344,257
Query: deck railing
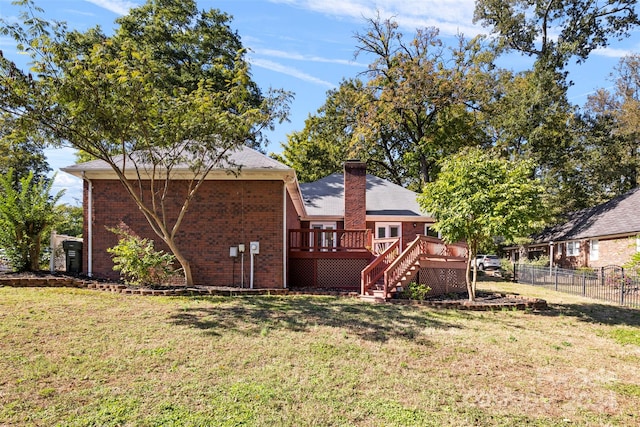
422,245
316,240
381,245
376,269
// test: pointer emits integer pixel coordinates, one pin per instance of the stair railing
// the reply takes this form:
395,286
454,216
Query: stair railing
422,245
402,263
374,271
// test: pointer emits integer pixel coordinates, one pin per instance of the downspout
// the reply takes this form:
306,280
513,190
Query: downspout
285,249
89,225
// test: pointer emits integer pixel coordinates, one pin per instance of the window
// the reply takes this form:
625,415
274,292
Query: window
429,231
594,250
573,248
387,230
323,239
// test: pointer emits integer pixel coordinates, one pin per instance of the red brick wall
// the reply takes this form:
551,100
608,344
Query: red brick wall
355,199
409,232
223,214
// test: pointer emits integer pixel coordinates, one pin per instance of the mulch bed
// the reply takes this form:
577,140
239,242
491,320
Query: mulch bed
484,301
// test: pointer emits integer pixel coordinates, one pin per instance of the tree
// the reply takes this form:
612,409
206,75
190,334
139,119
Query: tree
555,31
610,137
533,120
426,100
418,102
169,88
20,153
479,196
68,220
26,214
330,137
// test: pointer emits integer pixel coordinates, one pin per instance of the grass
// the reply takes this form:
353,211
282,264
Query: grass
72,357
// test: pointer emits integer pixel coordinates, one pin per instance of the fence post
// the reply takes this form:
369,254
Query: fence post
515,272
584,285
602,276
622,288
556,278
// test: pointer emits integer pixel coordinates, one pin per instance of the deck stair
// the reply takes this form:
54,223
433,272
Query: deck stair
392,270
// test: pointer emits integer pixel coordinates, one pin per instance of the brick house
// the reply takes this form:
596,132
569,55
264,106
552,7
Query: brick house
320,234
607,234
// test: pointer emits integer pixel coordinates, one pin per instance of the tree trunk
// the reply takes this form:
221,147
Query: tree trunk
471,282
34,253
184,263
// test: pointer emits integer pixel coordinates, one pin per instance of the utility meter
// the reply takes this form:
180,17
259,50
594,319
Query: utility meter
254,247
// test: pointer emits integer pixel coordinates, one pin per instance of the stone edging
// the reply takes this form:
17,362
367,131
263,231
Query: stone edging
520,303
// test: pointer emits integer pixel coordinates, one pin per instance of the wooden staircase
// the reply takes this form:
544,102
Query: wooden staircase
392,271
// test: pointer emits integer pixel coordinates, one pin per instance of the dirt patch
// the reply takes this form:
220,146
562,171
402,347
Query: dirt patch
484,301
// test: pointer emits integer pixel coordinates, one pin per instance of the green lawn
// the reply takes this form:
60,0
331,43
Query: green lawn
85,358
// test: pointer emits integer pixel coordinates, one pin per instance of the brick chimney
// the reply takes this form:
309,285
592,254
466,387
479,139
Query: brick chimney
355,195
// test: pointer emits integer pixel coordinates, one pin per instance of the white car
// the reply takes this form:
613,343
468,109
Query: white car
486,262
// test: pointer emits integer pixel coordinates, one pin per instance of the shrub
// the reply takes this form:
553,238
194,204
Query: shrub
137,260
541,261
634,263
506,268
26,215
416,291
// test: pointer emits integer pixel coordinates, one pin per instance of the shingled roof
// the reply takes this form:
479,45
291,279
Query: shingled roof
243,156
325,197
618,216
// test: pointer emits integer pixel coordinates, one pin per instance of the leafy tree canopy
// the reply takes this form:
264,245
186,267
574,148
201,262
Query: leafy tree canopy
555,31
26,214
418,102
170,87
479,196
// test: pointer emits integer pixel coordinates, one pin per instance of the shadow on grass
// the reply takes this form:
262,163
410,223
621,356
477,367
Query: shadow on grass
374,322
596,313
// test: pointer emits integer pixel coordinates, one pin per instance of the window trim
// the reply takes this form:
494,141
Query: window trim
594,249
387,226
428,227
573,248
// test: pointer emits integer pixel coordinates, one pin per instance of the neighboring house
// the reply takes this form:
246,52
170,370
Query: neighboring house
607,234
320,234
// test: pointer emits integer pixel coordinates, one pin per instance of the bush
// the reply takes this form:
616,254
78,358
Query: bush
416,291
506,268
541,261
634,263
137,260
26,216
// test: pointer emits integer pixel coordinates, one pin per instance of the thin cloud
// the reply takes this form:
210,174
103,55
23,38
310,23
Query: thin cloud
279,68
299,57
450,16
120,7
613,53
79,12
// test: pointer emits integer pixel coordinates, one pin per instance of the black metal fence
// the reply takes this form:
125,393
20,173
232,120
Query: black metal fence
611,283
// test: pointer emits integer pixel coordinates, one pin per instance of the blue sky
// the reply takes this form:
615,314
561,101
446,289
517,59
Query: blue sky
307,47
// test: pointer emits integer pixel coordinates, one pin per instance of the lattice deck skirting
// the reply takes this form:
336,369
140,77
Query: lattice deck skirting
442,280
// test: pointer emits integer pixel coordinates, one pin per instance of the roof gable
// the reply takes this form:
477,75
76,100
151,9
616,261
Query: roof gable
325,197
